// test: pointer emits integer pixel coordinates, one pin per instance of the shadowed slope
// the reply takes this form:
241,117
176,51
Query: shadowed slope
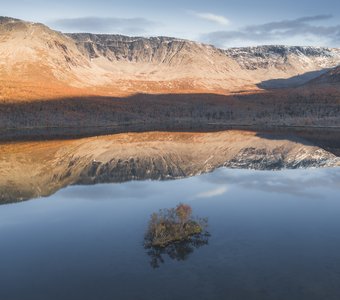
85,116
329,79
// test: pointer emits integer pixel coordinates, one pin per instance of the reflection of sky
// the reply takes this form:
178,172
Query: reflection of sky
302,182
213,192
269,230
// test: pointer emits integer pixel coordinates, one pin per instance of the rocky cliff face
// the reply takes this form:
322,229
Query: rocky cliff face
284,57
131,49
156,60
283,60
163,49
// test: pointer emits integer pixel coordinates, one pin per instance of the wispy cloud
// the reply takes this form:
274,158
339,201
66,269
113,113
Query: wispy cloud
278,31
104,25
221,20
213,193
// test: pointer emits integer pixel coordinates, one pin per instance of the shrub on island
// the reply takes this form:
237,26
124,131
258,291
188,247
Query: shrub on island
173,225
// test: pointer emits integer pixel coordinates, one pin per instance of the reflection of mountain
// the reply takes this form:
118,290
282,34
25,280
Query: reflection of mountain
179,251
32,169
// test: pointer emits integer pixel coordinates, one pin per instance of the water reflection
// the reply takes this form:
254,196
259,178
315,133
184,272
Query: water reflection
38,169
264,245
179,251
300,182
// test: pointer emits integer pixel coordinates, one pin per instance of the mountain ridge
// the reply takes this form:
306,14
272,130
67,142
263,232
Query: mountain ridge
81,63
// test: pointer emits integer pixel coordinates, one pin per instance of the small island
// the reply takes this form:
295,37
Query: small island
173,225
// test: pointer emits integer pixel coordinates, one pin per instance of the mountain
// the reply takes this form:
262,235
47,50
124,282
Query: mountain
55,85
40,63
284,57
32,48
304,63
330,78
37,61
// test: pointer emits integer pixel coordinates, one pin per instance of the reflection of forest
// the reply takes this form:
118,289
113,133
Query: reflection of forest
178,251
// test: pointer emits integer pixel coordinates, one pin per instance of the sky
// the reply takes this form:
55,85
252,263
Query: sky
229,23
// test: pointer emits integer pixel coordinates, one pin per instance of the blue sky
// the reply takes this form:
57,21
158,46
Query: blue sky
222,23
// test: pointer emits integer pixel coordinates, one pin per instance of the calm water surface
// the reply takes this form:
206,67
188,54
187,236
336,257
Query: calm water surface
274,235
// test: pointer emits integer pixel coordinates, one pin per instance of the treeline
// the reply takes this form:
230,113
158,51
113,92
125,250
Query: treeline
173,111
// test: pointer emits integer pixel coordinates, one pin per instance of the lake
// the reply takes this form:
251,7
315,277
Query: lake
273,235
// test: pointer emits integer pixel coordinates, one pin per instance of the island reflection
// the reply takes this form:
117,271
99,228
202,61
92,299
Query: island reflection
178,251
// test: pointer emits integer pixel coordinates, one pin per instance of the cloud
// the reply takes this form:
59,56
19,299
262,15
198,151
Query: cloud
212,193
212,18
105,25
279,31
